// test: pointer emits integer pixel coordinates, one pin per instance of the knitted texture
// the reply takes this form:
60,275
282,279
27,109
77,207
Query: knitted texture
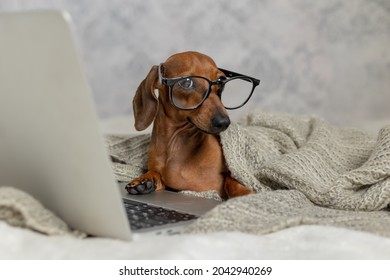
304,170
335,167
128,155
271,211
18,208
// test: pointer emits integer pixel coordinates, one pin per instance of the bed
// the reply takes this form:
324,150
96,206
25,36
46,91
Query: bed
313,238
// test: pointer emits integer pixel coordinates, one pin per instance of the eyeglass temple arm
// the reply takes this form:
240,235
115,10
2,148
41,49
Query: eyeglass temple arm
232,74
160,77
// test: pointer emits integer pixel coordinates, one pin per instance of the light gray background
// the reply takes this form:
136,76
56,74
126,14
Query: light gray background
329,58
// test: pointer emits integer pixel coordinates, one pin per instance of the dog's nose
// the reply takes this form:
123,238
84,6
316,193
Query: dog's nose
220,122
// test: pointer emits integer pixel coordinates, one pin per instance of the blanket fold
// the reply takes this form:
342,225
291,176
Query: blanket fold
341,168
18,208
267,212
304,170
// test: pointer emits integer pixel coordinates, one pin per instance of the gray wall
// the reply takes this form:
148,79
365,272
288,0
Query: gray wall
330,58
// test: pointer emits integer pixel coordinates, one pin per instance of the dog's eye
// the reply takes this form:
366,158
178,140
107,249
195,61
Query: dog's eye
187,83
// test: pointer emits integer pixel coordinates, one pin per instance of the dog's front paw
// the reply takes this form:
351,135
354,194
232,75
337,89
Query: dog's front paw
140,187
147,183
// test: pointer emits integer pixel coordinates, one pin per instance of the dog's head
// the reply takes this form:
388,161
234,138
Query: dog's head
191,100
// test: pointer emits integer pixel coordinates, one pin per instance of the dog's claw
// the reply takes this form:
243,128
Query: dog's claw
131,191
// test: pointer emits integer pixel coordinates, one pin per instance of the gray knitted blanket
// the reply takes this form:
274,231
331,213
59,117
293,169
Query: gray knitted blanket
304,170
20,209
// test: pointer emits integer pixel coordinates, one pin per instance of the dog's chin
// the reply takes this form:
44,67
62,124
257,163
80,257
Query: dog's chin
210,130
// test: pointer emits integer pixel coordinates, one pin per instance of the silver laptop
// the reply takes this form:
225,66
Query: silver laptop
50,142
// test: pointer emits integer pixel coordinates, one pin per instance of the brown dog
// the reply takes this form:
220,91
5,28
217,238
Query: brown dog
184,152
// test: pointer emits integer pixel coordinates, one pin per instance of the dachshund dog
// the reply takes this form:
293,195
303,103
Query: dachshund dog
185,152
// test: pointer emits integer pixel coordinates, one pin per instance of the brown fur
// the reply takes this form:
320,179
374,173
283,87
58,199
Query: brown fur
185,152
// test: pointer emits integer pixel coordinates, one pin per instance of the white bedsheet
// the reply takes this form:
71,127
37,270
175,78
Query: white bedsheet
302,242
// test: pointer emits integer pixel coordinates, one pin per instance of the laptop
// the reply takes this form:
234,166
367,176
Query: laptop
51,145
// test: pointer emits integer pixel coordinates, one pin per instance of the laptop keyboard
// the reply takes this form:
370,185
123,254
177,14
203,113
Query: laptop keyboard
142,215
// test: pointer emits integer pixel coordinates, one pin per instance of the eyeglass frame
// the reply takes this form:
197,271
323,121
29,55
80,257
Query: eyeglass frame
230,75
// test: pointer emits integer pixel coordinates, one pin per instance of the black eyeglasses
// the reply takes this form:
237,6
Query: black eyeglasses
189,92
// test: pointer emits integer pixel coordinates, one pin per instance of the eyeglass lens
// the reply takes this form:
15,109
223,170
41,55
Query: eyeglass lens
236,92
190,92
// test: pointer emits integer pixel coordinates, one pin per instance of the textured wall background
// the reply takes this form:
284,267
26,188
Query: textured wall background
330,58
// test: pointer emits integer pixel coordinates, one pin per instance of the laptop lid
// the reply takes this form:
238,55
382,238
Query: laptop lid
50,142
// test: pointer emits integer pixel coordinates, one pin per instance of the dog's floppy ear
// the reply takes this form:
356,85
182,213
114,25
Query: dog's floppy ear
145,102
